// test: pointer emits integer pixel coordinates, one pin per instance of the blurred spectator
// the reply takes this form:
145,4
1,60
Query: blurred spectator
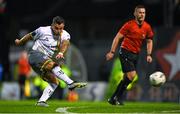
1,70
2,6
24,71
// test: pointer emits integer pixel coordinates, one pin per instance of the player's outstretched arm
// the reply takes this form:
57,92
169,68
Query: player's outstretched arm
23,40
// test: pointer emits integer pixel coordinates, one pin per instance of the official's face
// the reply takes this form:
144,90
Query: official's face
140,14
57,28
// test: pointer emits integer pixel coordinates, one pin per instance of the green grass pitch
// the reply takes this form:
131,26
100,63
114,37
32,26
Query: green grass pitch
58,106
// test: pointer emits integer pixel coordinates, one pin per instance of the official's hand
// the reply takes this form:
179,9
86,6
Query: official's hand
149,58
109,56
60,56
17,42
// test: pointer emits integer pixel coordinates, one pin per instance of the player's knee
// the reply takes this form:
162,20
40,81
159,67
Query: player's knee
51,81
54,81
57,82
131,75
49,66
48,77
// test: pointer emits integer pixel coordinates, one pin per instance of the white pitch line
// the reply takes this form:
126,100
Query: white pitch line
62,110
171,111
65,110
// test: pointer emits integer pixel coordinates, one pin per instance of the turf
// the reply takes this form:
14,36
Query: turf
57,106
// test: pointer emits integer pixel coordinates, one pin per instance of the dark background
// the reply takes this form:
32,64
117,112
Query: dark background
91,23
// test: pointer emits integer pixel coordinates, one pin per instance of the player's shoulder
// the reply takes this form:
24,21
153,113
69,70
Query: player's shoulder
65,33
44,28
132,21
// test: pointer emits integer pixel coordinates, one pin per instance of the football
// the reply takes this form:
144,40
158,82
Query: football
157,79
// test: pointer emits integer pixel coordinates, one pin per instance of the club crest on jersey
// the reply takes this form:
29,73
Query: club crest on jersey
143,36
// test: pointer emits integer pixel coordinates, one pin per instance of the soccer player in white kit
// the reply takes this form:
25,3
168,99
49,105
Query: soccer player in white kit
50,45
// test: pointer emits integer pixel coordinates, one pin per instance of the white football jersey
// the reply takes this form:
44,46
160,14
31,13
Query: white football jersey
46,42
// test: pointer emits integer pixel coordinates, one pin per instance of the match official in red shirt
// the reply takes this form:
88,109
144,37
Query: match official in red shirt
133,32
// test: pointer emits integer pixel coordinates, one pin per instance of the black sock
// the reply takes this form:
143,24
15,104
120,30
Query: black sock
122,88
117,89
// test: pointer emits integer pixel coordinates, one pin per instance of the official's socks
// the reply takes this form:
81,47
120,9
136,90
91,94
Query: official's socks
117,89
122,88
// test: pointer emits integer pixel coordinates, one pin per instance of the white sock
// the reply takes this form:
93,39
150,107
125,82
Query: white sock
61,75
48,91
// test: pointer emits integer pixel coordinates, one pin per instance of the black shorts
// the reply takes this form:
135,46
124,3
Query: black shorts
128,60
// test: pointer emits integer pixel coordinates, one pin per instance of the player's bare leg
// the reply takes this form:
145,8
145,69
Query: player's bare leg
53,71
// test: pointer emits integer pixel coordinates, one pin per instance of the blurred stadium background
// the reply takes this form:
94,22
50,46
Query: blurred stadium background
92,25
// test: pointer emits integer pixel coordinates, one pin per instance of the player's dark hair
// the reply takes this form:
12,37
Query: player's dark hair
58,20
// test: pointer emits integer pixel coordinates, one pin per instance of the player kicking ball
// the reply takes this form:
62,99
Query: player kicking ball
50,43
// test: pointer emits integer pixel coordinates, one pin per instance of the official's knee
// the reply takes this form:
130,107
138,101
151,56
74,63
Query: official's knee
131,75
133,83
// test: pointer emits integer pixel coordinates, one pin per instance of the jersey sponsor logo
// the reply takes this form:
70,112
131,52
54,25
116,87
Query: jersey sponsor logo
46,39
143,35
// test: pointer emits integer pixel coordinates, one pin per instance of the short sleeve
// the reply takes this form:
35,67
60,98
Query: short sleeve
66,36
124,29
36,33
